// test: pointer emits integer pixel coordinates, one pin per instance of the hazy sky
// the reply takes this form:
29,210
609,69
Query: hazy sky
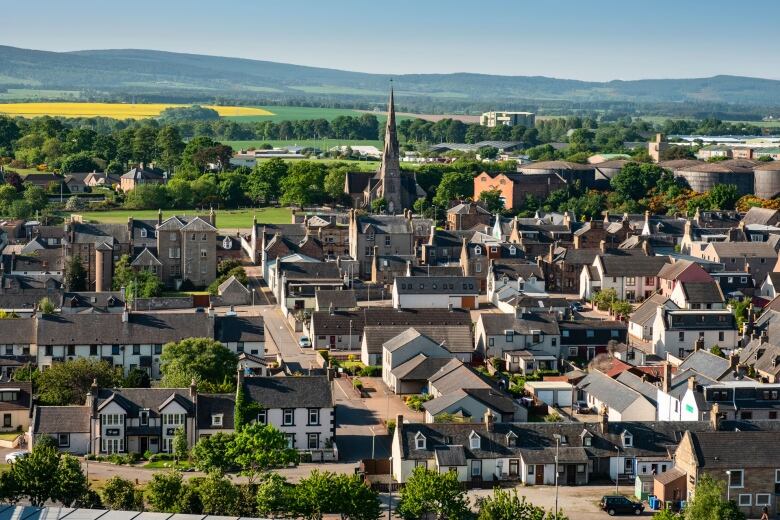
581,39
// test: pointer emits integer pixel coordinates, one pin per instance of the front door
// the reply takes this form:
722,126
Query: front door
539,474
476,469
144,444
332,341
571,474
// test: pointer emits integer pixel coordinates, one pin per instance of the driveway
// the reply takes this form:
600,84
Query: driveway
360,433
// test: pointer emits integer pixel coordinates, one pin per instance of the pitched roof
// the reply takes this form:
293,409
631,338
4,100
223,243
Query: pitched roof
339,299
705,363
455,375
23,395
310,270
290,392
614,394
420,367
761,216
636,265
647,309
725,450
436,285
454,338
497,324
211,404
61,419
743,249
233,284
702,292
339,322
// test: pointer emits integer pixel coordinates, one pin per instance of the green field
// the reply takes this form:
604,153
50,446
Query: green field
322,144
281,113
226,219
31,94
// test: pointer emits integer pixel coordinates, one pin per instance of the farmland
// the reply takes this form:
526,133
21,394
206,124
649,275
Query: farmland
228,220
322,144
114,110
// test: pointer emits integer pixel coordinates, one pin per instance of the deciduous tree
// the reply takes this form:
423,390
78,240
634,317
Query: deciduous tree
433,493
259,447
202,359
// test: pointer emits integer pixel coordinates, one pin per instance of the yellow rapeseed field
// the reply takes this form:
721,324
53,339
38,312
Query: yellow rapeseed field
113,110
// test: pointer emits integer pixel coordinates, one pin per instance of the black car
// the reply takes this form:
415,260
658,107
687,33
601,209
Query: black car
620,505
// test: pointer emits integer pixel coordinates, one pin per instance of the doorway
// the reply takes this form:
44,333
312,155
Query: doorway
144,444
539,474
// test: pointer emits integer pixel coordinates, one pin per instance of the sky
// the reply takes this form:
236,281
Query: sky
597,40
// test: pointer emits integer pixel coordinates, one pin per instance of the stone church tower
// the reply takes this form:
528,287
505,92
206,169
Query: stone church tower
390,171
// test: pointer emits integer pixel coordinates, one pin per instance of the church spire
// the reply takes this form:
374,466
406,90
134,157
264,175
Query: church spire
390,171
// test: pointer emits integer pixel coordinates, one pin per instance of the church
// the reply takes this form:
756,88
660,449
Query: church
399,189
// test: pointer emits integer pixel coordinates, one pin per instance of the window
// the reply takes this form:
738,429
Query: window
114,350
777,476
290,438
590,333
174,252
614,333
474,441
565,333
580,468
762,499
721,336
313,441
628,440
63,440
71,350
287,417
681,336
478,267
573,352
745,500
262,416
6,420
216,419
587,440
136,350
736,477
476,468
510,336
143,232
203,237
143,417
204,253
419,441
477,250
314,416
491,342
93,350
387,240
630,280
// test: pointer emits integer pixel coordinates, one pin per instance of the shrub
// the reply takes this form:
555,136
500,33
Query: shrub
357,384
371,371
415,402
390,426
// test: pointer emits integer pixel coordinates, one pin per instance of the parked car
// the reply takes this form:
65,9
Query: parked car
581,407
304,342
620,505
576,306
15,455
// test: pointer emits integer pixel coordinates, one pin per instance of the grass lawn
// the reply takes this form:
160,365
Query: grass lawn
226,219
165,464
9,436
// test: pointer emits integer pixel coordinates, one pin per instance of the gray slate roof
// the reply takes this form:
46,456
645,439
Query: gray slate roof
454,338
61,419
612,393
290,392
437,285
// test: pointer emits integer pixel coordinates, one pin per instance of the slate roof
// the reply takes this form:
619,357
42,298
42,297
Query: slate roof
455,375
726,450
609,391
310,271
674,269
61,419
290,392
455,338
437,285
420,367
706,364
232,283
702,292
761,216
699,319
338,322
101,300
515,270
637,384
743,249
24,396
406,337
450,456
496,324
18,331
634,265
229,329
133,400
209,404
339,299
437,270
384,224
466,208
647,309
141,173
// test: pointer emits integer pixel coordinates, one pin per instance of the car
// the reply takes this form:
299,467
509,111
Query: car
620,505
15,455
581,407
576,306
304,342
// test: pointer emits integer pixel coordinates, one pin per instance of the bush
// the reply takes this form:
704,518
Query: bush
371,371
357,384
415,402
161,456
390,426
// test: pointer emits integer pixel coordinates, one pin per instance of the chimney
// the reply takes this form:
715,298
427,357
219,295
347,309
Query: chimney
489,421
399,421
239,376
130,226
125,314
92,398
715,416
211,310
734,361
603,420
159,217
646,248
764,336
692,383
330,309
603,246
698,345
193,390
667,382
212,217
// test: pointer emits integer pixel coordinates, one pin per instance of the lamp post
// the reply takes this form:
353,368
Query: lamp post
557,446
350,340
728,485
617,471
373,439
390,491
253,298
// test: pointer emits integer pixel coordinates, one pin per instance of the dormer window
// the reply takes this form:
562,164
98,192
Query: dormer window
511,438
474,441
512,250
587,438
477,250
227,243
628,439
143,232
419,441
216,419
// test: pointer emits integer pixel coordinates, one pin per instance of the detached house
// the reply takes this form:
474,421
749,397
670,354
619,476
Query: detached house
676,330
633,278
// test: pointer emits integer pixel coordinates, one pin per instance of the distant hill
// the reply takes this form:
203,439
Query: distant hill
161,73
